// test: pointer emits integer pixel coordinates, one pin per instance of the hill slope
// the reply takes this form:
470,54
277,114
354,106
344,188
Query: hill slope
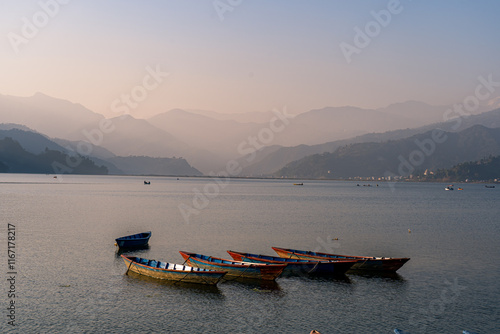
48,115
31,141
278,158
15,159
23,151
487,169
430,150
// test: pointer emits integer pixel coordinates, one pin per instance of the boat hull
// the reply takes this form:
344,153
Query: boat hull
134,240
178,273
235,269
298,266
364,262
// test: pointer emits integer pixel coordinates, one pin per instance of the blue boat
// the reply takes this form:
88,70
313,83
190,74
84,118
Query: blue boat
297,266
172,271
235,269
134,240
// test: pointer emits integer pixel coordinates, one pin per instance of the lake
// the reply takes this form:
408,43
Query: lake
69,278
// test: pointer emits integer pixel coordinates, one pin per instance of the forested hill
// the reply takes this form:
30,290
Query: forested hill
15,159
487,169
399,157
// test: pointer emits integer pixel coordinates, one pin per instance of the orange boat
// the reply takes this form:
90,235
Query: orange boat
388,264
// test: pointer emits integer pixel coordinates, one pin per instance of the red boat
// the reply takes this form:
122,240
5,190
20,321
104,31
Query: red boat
387,264
298,266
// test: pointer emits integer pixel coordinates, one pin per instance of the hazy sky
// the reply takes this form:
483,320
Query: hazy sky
246,55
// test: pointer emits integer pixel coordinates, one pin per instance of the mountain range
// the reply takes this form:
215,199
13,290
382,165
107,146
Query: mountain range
24,151
273,159
262,143
431,150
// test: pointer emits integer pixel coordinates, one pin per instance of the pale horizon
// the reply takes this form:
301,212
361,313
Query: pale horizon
207,111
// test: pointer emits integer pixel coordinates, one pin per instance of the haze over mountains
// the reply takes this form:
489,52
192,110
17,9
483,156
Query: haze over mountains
431,150
262,143
274,158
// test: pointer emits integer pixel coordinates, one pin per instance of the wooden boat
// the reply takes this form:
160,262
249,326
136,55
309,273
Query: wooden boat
297,266
298,184
171,271
134,240
235,269
366,262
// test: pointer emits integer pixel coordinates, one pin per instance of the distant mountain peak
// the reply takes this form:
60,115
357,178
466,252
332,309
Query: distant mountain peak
178,111
124,117
409,102
51,99
40,94
180,114
343,108
10,126
45,97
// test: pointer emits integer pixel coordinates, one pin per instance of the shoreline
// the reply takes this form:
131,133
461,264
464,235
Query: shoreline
270,178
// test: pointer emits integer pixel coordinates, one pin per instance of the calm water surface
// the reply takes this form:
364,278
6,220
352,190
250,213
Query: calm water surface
70,279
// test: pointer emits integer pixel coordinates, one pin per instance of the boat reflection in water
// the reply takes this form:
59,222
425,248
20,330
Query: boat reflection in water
183,286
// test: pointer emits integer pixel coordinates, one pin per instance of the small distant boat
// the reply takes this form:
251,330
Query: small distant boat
235,269
450,187
460,189
297,266
487,186
386,264
298,184
147,182
134,240
171,271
